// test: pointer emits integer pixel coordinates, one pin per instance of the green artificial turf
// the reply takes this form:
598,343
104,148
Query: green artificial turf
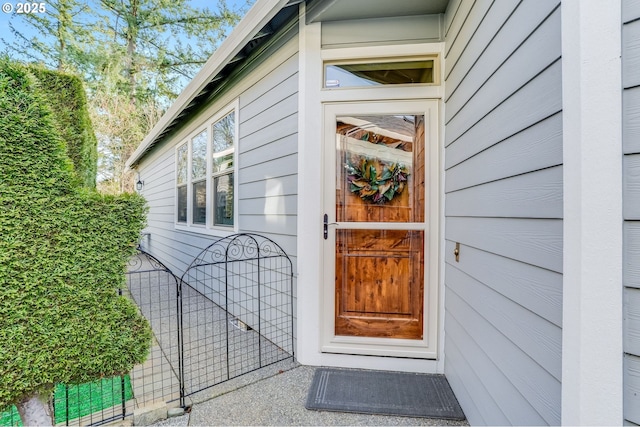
80,400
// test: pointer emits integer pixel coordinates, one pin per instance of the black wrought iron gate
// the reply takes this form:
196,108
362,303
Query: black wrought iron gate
229,314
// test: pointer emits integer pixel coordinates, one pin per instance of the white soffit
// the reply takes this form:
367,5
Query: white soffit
340,10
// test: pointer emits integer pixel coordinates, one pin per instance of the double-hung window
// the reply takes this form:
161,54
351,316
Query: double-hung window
222,169
205,169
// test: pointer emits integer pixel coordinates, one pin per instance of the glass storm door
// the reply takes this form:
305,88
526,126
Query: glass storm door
375,223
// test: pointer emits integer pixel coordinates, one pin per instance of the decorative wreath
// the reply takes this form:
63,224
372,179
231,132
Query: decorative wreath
364,180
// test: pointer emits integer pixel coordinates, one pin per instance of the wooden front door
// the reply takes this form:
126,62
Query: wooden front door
377,222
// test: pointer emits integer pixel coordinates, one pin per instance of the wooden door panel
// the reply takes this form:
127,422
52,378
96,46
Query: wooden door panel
374,291
379,283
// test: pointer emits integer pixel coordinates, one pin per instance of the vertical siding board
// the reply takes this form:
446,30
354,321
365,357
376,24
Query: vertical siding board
631,54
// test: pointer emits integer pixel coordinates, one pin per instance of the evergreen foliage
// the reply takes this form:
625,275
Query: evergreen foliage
65,96
63,254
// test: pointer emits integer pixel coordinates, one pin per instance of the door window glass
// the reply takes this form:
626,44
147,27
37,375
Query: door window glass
380,170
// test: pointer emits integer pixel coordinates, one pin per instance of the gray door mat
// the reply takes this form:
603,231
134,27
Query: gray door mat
383,393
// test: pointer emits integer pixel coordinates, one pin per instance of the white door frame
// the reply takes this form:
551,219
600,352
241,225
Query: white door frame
310,204
426,347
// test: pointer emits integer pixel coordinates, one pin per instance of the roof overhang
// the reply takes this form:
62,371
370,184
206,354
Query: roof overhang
341,10
262,20
254,30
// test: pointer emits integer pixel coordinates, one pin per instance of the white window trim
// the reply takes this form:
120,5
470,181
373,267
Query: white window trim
385,54
209,227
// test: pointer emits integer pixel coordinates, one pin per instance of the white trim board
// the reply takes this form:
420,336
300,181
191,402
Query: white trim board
592,380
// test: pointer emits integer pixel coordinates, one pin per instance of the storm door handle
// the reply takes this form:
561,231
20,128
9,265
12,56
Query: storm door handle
326,225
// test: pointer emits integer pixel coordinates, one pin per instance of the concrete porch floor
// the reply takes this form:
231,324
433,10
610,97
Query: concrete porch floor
276,395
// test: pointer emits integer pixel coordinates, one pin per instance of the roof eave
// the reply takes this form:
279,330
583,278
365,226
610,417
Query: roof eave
257,17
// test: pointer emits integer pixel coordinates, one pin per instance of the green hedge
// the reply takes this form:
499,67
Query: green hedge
65,96
63,255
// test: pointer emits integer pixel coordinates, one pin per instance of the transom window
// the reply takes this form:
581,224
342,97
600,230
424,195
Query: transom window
373,72
205,169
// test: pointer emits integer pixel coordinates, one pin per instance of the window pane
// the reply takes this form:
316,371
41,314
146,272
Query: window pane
181,169
223,199
200,202
223,137
379,73
199,155
182,204
380,168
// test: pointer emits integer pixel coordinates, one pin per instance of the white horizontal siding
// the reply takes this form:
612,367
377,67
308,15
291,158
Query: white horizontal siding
631,206
630,10
537,289
504,206
536,147
267,170
532,241
632,388
631,54
532,195
535,101
542,341
537,388
521,55
462,34
632,321
267,143
631,119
